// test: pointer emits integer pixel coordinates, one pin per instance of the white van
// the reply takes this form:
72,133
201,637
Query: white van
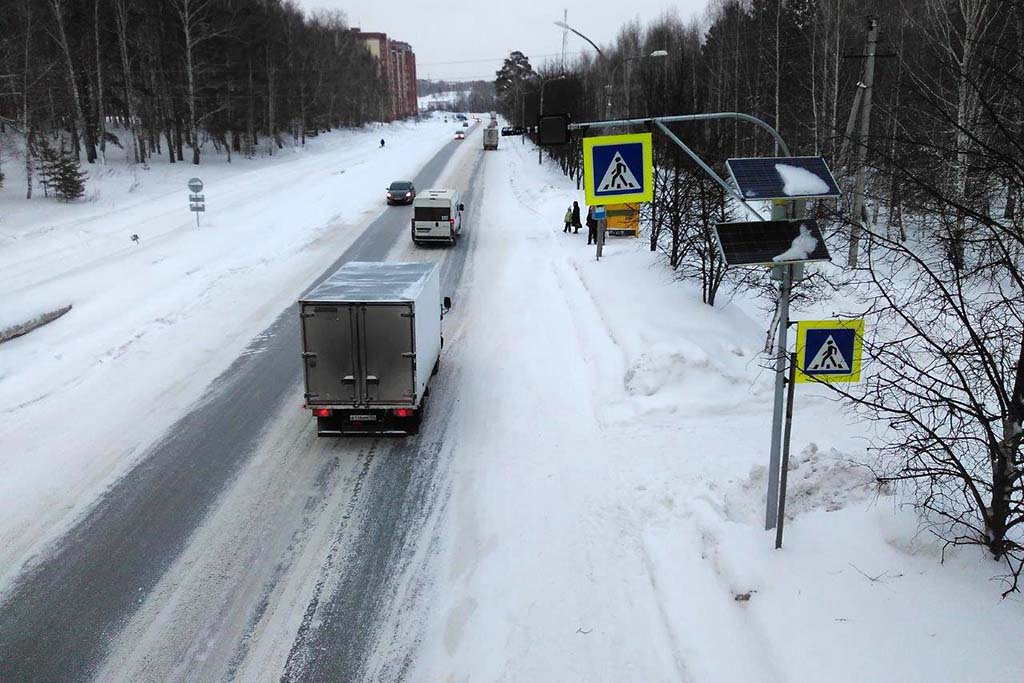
437,216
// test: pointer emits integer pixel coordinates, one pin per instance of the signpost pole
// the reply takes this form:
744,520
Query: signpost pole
785,450
601,226
772,508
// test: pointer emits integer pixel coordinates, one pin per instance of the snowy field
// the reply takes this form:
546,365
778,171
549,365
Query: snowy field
608,486
441,99
154,321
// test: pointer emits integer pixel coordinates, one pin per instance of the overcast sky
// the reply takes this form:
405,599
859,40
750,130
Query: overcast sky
478,35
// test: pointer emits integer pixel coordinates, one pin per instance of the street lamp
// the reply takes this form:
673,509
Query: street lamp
540,110
657,54
562,24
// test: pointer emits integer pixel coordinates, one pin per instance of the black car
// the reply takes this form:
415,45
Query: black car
401,192
507,130
518,130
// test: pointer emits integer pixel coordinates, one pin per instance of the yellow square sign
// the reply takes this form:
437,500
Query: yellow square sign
618,169
829,350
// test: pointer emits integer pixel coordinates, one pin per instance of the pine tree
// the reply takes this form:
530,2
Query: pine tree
69,180
59,171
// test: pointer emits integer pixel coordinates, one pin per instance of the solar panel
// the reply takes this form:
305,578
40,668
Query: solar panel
759,242
782,177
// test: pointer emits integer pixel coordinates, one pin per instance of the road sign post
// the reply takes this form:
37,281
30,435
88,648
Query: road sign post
196,201
601,217
784,477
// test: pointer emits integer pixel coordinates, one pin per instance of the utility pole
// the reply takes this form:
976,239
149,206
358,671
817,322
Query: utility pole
865,127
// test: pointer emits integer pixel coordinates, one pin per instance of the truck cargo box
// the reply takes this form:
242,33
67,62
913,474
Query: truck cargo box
371,336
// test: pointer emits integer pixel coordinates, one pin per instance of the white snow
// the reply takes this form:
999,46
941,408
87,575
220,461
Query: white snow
799,182
801,248
605,452
154,322
446,98
607,490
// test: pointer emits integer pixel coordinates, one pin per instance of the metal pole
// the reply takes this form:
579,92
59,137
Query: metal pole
728,187
687,117
772,508
785,450
599,241
540,113
865,127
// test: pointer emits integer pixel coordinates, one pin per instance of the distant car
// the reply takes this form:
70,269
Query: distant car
465,124
507,130
401,192
459,135
518,130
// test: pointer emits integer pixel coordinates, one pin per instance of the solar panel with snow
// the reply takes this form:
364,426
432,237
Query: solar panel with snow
761,178
760,242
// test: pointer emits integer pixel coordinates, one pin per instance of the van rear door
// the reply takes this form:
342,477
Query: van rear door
388,359
328,334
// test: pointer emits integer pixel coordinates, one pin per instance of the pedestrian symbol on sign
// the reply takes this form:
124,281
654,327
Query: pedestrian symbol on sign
618,176
829,350
829,357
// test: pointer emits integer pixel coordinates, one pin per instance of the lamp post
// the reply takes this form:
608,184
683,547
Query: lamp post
657,54
562,24
540,111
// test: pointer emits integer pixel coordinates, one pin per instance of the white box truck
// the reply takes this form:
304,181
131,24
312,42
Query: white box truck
437,216
371,341
491,138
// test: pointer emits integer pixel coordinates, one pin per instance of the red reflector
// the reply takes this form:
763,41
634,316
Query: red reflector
404,412
322,412
452,221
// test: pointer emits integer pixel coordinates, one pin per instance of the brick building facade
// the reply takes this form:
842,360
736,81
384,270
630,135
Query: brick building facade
397,64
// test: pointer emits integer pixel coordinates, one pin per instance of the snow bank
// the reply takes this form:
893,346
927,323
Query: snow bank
606,518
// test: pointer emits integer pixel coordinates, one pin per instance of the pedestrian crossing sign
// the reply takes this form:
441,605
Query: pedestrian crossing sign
618,169
829,350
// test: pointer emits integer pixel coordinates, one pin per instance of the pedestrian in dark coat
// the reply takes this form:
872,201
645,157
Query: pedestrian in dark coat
576,216
591,226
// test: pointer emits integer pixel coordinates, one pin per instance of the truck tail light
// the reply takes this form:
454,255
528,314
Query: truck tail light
404,412
452,221
322,412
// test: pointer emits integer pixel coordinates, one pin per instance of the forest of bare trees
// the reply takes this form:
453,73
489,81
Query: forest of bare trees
935,251
168,77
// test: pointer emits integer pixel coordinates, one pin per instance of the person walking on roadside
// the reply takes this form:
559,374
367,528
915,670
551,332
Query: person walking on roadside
568,219
576,217
591,226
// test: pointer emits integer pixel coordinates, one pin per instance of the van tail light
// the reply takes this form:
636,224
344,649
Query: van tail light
404,412
452,221
322,412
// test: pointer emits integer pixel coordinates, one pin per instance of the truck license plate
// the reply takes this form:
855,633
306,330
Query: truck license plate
362,418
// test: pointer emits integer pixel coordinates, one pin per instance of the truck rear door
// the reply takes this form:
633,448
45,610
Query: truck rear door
329,333
388,354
